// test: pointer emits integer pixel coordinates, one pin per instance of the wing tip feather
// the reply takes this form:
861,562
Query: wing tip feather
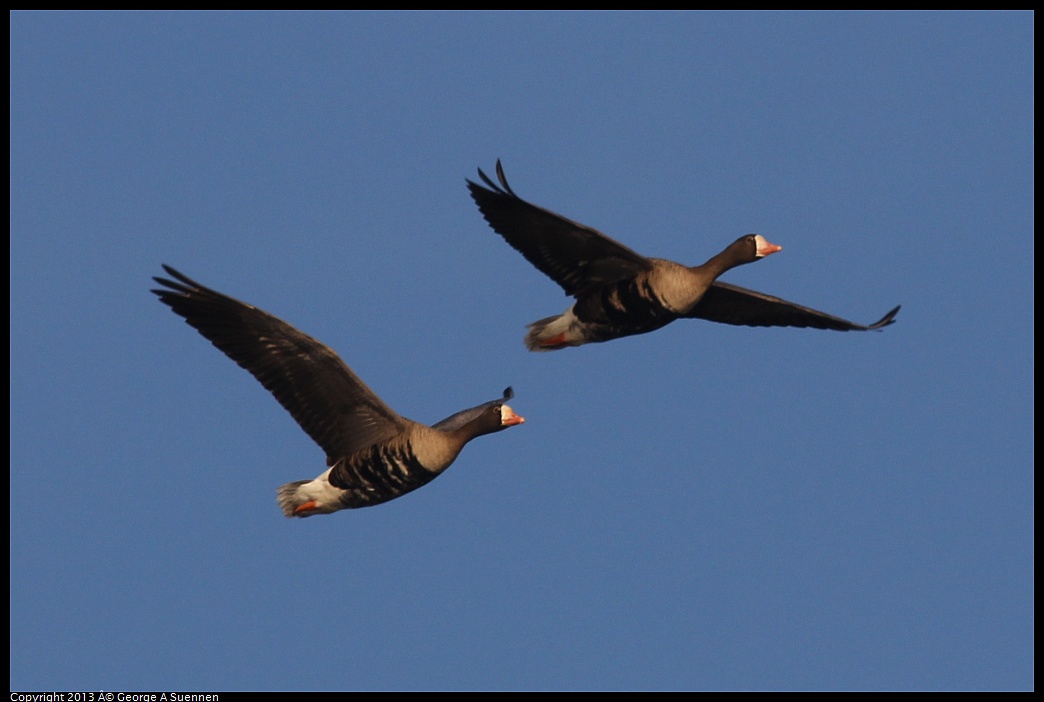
886,320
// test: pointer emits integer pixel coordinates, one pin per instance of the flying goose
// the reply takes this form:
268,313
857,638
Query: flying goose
372,453
620,292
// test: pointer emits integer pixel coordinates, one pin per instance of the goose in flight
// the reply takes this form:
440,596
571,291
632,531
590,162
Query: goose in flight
620,292
372,453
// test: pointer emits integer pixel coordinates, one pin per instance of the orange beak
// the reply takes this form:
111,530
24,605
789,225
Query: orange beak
768,248
509,418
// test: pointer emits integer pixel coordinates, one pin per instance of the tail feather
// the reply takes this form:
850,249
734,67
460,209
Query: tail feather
550,334
290,498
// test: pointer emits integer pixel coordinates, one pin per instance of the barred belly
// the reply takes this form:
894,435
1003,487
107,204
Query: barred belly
622,309
381,473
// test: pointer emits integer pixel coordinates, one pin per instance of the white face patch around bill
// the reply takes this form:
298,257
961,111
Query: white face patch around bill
508,417
764,247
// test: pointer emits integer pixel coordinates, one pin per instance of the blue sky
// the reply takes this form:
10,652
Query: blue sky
704,507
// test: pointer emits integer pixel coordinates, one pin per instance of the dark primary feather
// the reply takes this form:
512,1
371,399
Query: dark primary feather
316,387
731,304
578,258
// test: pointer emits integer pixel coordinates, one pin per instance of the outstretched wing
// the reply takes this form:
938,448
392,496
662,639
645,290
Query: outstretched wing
731,304
576,257
315,386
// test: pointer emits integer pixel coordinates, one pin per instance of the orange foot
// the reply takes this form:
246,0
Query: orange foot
306,507
555,342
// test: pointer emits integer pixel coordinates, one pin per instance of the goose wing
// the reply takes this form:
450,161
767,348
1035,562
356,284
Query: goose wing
309,379
731,304
575,256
